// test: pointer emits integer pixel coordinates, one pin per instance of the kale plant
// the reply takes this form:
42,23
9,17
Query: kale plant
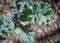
39,13
6,25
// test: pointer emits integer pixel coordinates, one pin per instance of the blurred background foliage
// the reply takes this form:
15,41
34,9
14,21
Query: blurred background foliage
36,12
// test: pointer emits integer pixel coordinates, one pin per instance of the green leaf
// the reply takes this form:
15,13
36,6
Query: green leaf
27,38
27,11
